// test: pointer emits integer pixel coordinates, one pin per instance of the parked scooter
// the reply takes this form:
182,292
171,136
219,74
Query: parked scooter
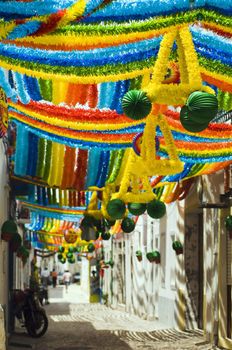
28,310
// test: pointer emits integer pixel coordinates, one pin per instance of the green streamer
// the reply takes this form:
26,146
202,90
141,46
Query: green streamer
146,25
113,156
45,87
40,166
116,167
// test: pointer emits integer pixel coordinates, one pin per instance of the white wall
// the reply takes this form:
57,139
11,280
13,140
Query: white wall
149,288
4,198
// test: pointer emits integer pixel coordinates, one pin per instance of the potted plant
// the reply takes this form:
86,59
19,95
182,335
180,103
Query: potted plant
156,255
139,255
153,256
228,223
150,256
178,247
9,229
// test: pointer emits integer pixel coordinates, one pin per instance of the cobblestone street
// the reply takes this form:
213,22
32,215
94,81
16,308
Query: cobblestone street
84,326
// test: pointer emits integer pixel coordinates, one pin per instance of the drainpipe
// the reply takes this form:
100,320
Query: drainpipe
111,271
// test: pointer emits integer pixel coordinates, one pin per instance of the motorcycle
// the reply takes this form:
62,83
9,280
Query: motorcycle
28,310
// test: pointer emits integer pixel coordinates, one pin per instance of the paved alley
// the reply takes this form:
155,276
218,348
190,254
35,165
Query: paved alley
74,324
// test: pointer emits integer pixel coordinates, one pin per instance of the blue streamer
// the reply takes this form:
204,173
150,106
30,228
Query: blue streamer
4,83
104,169
140,9
16,9
32,87
123,89
110,89
22,93
102,95
21,155
212,40
32,154
124,53
23,30
93,164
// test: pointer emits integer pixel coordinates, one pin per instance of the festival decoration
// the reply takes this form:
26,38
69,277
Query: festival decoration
156,209
199,110
127,225
91,247
116,209
65,73
137,208
3,113
70,236
105,236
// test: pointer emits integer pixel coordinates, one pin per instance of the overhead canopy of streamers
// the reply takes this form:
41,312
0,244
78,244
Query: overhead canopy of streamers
65,67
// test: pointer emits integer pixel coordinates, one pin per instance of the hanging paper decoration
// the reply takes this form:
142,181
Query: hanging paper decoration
156,209
199,110
137,208
127,225
3,113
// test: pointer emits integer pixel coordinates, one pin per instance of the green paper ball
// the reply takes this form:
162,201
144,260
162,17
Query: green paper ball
137,208
202,106
110,223
59,256
88,221
156,209
116,209
72,249
61,249
136,105
127,225
105,236
71,260
63,260
200,100
188,124
91,247
228,222
78,249
69,255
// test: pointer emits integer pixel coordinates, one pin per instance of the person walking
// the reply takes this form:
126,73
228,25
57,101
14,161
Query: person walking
67,279
45,281
54,278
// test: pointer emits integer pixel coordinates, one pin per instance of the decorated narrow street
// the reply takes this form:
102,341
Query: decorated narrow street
115,174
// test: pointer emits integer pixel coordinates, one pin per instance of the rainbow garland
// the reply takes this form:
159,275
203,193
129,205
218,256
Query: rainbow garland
91,135
56,213
132,54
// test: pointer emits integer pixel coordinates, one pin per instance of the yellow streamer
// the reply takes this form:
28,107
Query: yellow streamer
76,10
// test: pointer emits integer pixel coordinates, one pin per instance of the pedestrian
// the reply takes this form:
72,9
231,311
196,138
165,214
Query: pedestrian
54,278
67,279
45,281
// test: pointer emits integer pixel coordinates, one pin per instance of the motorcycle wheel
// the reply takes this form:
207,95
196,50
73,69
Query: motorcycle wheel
38,327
